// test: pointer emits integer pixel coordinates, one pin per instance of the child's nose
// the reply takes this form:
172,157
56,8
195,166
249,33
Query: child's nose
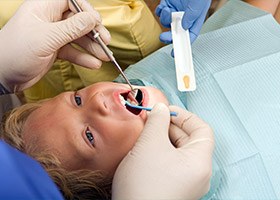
98,104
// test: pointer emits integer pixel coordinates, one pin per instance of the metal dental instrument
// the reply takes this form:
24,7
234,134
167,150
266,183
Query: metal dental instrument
95,36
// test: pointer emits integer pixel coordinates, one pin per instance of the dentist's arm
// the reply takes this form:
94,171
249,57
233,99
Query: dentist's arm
24,178
156,169
193,19
40,32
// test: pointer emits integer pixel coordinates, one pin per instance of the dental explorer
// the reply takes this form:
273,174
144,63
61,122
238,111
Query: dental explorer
95,36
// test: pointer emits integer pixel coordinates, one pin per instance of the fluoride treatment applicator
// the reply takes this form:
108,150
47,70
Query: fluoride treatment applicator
145,108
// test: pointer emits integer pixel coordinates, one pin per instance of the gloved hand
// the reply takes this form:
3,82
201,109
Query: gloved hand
156,169
39,32
195,13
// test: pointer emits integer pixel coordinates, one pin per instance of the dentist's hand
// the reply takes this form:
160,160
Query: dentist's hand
156,169
195,13
41,31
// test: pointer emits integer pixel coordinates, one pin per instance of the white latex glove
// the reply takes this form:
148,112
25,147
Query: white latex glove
155,169
39,32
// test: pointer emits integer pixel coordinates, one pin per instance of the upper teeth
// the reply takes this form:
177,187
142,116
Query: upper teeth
122,100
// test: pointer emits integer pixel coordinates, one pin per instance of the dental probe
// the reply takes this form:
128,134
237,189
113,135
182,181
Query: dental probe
108,52
146,108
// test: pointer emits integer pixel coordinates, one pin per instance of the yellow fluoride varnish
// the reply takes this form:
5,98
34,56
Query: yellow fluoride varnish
186,80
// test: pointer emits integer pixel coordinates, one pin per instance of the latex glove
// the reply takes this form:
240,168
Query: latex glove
193,19
39,32
155,169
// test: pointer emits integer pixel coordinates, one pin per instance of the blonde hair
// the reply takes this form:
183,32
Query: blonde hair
75,184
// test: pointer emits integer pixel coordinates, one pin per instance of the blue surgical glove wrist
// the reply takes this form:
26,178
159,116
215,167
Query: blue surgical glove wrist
193,19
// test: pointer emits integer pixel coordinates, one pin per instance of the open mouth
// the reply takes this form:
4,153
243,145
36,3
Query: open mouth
137,101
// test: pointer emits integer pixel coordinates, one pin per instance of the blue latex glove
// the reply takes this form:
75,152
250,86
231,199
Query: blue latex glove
193,19
23,178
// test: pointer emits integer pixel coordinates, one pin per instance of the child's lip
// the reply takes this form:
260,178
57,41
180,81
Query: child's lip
145,102
145,98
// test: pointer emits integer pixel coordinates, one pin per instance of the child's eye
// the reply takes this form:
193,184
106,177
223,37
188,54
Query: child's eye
78,100
90,136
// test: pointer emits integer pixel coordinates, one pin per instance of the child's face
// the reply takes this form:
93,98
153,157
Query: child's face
89,129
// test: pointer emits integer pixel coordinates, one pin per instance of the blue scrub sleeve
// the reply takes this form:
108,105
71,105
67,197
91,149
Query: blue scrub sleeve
21,177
